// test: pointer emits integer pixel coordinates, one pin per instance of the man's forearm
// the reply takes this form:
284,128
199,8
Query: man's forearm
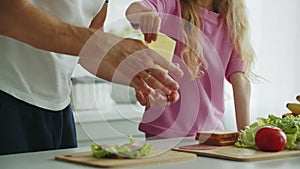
22,20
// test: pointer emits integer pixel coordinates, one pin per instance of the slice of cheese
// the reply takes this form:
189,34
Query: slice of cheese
165,46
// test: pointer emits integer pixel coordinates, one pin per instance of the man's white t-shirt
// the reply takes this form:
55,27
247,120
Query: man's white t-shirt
39,77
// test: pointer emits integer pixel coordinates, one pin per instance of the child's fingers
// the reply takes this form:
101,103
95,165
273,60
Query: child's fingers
150,25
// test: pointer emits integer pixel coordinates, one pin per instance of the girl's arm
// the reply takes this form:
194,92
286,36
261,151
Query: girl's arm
241,92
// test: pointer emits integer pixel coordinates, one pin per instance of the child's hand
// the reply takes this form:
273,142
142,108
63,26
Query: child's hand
145,19
149,24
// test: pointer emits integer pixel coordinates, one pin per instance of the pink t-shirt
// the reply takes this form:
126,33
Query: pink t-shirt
201,103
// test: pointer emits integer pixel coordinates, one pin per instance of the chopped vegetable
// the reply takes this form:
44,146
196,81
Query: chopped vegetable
121,151
290,125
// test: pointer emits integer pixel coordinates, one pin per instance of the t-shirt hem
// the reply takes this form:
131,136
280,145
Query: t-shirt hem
42,104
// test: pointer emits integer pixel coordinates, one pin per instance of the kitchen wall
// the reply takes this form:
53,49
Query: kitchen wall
276,40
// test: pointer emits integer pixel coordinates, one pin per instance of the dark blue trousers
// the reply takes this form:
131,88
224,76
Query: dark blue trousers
27,128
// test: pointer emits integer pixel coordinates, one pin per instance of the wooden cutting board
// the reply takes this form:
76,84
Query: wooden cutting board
86,158
241,154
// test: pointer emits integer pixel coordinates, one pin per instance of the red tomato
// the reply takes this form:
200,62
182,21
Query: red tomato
270,138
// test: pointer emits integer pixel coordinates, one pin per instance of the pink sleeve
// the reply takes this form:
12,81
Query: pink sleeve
155,5
162,6
235,64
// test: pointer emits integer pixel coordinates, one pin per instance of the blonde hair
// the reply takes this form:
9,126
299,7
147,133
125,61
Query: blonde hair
234,13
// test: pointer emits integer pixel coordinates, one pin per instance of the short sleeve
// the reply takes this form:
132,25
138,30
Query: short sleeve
162,6
235,64
155,5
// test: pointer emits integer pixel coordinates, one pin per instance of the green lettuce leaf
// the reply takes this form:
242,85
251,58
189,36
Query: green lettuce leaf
290,125
121,151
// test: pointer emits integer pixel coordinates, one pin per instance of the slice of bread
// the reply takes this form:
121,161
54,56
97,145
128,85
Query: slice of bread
217,138
220,134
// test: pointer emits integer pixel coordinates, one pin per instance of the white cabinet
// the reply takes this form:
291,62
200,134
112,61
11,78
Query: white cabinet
104,112
113,126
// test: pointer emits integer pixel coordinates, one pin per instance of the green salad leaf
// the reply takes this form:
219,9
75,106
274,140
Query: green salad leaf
290,125
121,151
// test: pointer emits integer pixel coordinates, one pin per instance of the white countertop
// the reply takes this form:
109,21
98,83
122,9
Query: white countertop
45,160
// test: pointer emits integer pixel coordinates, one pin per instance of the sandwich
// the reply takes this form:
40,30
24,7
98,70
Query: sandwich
217,137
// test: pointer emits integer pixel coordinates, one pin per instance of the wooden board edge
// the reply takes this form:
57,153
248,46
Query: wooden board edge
62,157
212,154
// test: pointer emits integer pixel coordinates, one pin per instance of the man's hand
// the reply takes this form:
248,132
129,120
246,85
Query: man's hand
130,62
